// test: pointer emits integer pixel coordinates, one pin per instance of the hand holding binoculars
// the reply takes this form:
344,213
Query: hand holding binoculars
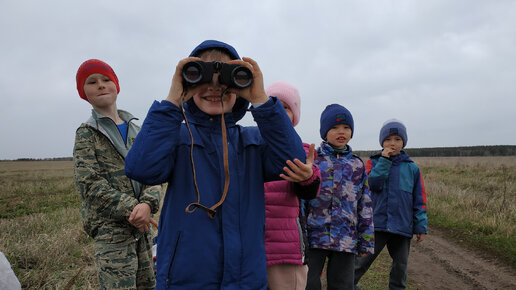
231,75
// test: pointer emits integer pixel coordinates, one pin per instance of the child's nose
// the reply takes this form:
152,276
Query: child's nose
215,79
215,84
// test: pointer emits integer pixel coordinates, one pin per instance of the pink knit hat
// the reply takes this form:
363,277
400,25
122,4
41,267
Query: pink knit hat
289,94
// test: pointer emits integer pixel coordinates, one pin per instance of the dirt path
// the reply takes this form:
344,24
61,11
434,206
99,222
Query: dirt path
439,263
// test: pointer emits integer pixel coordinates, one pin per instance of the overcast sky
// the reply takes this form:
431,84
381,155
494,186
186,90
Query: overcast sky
447,69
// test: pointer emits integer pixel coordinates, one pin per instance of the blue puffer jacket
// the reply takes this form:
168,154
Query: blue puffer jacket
399,198
194,250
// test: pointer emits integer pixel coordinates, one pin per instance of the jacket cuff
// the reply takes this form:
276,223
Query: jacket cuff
315,174
420,230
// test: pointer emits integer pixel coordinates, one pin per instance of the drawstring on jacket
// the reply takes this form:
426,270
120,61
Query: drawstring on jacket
211,211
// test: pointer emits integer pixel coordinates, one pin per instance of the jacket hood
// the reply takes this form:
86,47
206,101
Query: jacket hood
124,115
211,44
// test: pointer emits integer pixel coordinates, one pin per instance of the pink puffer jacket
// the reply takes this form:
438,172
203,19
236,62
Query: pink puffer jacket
283,231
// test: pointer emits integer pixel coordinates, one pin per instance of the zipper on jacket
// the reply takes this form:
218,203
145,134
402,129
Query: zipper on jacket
123,158
126,131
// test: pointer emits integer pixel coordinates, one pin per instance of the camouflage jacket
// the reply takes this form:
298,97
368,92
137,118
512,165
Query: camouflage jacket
340,218
108,195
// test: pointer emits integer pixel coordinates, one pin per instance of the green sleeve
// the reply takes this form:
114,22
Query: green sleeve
152,196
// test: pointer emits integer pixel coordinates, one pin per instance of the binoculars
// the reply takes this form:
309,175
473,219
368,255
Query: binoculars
231,75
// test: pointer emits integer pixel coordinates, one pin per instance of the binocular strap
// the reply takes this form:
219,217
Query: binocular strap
211,211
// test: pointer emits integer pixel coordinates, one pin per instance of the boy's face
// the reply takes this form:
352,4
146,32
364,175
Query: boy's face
208,95
289,111
339,135
100,91
393,144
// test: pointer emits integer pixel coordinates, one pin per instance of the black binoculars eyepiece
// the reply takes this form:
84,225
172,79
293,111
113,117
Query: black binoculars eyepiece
231,75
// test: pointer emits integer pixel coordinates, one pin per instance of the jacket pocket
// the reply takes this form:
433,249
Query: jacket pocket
171,264
406,180
250,137
114,235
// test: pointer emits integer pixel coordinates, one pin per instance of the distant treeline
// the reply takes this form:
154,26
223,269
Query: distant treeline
43,159
494,150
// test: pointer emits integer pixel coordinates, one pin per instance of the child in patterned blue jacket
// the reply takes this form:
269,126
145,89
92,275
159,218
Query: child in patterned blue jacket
340,219
399,202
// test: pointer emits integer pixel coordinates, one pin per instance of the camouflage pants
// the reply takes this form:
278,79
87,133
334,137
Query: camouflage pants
126,264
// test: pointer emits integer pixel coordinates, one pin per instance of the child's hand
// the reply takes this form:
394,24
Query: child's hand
387,152
255,93
176,88
420,238
140,217
298,170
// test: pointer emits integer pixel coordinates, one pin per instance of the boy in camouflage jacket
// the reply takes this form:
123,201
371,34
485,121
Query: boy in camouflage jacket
340,218
116,210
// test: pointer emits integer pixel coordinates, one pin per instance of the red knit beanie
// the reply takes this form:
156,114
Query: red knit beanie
93,66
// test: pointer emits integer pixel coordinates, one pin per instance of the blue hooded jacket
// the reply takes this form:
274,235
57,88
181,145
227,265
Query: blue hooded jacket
227,251
399,198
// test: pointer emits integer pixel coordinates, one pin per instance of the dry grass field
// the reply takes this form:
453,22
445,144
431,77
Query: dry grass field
41,226
473,198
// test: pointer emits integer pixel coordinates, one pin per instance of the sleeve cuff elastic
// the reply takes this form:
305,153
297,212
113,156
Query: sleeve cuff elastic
309,181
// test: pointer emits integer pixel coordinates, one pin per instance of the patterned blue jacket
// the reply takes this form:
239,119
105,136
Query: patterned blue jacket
340,218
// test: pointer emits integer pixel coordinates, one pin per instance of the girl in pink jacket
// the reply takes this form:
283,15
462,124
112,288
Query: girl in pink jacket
284,228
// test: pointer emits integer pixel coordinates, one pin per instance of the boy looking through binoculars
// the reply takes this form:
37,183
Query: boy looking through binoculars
211,228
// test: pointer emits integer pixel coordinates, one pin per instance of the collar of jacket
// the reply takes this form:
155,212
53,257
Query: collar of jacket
108,128
124,115
396,159
326,149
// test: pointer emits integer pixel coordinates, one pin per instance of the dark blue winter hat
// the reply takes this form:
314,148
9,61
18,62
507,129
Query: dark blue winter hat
210,44
335,114
393,127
